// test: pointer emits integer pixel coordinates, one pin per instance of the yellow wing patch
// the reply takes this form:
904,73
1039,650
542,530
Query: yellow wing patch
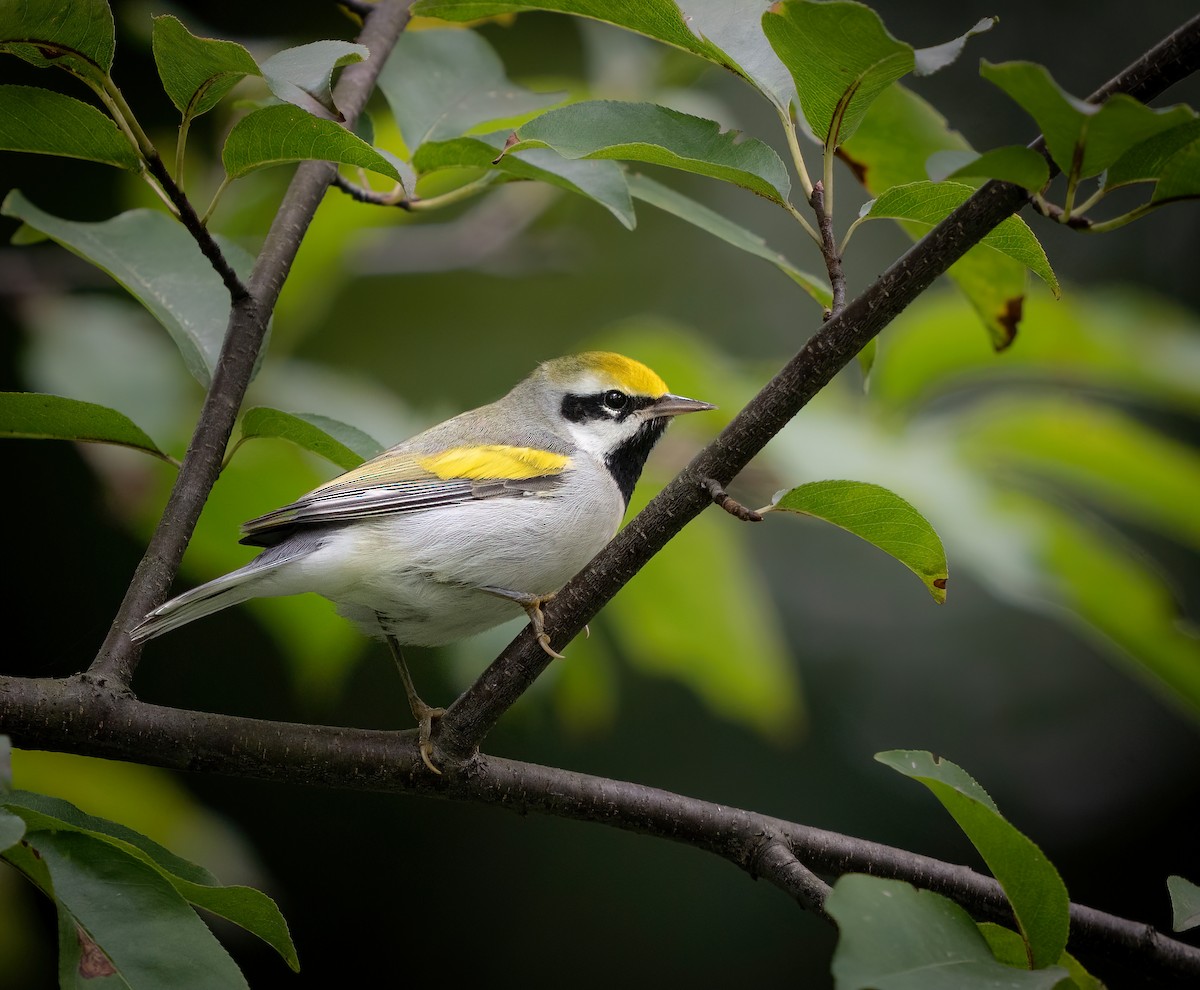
493,461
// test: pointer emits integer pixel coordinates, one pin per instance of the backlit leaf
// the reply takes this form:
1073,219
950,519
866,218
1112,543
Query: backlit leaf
656,135
345,445
1083,138
75,34
601,181
48,123
197,72
1185,903
441,84
280,135
1030,882
893,936
1009,948
303,75
842,57
928,203
881,518
648,191
1144,161
157,261
51,417
1014,163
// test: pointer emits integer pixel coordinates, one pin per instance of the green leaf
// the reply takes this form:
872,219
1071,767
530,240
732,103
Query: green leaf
656,135
278,135
601,181
648,191
51,417
1014,163
895,937
1180,177
928,203
197,72
77,35
842,57
47,123
1009,948
1144,162
249,908
660,19
897,136
1031,883
1096,451
12,828
303,75
880,517
1185,903
156,260
143,925
345,445
441,84
1083,139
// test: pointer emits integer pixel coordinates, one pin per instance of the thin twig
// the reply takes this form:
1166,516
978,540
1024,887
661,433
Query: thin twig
364,194
117,658
724,500
829,251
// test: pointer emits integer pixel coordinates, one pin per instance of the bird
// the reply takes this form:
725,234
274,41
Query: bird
456,529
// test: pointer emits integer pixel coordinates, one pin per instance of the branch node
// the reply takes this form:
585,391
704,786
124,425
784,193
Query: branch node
727,502
829,251
364,195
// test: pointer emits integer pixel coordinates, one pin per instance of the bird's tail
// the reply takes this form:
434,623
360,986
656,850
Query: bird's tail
229,589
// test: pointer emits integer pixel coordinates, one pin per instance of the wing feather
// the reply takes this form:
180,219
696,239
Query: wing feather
406,481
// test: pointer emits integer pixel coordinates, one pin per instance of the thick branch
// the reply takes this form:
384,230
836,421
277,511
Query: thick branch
243,342
74,716
472,716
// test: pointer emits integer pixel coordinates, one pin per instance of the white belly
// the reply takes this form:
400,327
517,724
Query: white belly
422,570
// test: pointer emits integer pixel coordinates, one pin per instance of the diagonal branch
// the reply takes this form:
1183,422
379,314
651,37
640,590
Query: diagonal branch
74,716
472,716
248,318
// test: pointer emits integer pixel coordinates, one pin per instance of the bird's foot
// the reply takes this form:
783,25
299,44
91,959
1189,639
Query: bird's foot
533,608
424,714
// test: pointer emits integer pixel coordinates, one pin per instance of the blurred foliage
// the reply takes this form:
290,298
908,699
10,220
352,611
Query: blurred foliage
1061,476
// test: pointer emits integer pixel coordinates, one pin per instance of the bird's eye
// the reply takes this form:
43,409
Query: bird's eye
615,400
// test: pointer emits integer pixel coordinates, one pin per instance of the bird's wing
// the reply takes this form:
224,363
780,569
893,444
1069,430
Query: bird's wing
404,481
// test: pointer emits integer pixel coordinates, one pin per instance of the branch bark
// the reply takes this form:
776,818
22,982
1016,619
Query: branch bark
118,657
76,716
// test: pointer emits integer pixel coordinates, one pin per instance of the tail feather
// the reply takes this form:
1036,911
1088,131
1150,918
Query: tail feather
220,593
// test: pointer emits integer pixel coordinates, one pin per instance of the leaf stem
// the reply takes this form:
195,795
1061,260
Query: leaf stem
827,182
216,199
789,128
1104,226
803,221
472,188
180,148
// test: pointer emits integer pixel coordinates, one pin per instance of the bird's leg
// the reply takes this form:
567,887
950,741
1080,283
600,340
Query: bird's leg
423,713
533,608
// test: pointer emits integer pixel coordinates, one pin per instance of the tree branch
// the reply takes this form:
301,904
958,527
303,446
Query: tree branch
460,731
75,716
118,657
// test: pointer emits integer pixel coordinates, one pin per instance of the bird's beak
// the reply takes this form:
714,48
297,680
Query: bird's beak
676,405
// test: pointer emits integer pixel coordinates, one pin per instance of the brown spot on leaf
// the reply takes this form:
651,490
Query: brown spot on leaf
858,168
1008,318
939,583
512,139
93,963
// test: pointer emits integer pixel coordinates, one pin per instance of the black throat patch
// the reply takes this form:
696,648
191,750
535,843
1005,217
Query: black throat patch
626,462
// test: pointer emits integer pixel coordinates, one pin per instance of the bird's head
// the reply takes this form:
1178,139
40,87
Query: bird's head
612,407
